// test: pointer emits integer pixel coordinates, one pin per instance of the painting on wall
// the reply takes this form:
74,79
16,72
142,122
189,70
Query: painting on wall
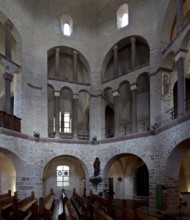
166,86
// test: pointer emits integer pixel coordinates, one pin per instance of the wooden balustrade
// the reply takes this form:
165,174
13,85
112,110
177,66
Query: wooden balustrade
10,121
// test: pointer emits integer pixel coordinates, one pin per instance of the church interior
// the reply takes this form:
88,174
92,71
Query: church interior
95,101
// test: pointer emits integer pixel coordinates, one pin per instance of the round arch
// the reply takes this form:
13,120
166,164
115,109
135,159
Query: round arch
19,166
77,175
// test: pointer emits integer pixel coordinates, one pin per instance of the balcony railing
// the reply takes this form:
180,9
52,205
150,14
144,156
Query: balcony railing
83,134
125,129
10,121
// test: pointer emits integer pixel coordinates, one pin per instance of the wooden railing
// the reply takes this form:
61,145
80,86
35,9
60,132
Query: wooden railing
10,121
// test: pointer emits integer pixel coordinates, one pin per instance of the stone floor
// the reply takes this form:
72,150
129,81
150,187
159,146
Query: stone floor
59,210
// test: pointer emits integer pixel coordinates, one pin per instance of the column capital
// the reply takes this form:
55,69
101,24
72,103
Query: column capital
75,96
115,47
75,52
57,49
116,93
8,76
9,24
57,93
133,39
180,54
134,86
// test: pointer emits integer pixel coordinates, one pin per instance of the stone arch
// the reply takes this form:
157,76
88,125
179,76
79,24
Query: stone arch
16,38
19,166
124,57
175,157
127,168
66,65
143,102
167,22
107,158
83,114
72,161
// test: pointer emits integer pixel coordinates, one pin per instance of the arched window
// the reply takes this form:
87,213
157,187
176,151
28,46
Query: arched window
66,29
66,25
62,175
67,122
123,16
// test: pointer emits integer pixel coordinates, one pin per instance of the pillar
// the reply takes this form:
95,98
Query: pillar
57,58
179,58
133,52
8,79
115,60
134,107
56,112
179,11
75,66
116,112
74,117
8,26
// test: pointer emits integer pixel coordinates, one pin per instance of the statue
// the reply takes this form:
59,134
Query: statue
96,166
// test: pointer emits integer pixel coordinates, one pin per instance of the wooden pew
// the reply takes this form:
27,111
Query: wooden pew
99,214
81,205
105,204
5,195
23,207
71,210
46,205
132,214
6,202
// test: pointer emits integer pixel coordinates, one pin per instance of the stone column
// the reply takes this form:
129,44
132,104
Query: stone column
116,112
179,58
115,60
179,11
75,66
8,26
134,107
133,52
8,79
57,58
74,117
56,112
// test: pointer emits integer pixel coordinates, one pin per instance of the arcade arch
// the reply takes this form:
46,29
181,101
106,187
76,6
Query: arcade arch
77,175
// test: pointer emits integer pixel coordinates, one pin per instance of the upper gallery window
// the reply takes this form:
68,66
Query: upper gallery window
66,25
123,16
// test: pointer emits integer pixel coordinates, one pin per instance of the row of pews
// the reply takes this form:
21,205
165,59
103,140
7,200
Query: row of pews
13,208
94,207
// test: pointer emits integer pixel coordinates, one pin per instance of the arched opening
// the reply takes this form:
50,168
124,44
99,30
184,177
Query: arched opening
109,121
122,16
123,173
109,113
65,63
187,100
143,102
51,113
65,128
7,174
177,171
83,115
66,25
123,60
11,170
64,172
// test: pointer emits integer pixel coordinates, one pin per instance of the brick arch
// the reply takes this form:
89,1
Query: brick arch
16,160
107,159
79,154
176,156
